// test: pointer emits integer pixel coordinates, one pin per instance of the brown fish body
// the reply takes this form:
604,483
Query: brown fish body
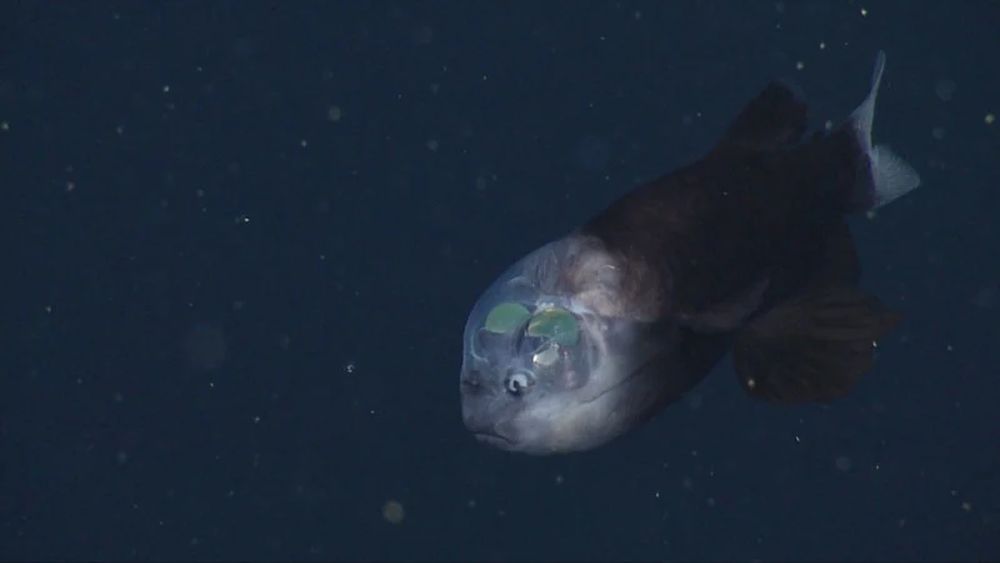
749,211
758,223
747,250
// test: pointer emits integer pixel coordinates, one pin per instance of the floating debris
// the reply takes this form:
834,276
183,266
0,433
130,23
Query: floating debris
393,512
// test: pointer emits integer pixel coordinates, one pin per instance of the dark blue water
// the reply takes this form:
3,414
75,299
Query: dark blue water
241,240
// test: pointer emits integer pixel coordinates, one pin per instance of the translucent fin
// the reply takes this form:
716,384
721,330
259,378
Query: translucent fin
812,348
891,176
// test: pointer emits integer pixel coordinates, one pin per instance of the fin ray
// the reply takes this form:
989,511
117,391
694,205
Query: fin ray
812,348
889,175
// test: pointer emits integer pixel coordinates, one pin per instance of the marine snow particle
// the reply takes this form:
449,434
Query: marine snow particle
393,512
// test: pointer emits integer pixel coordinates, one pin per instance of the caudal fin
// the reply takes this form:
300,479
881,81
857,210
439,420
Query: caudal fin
890,176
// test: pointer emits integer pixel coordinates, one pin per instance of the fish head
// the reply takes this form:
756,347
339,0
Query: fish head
551,365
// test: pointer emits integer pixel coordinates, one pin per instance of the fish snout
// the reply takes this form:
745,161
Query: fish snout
481,417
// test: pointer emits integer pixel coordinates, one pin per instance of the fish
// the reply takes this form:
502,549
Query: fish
747,251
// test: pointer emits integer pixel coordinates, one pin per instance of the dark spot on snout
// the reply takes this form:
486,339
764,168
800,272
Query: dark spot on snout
472,381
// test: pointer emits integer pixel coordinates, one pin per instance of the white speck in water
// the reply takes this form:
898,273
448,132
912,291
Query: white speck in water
393,512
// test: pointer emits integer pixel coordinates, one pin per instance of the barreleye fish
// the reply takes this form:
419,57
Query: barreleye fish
747,250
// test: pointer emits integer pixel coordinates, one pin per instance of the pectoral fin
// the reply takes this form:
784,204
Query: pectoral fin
812,348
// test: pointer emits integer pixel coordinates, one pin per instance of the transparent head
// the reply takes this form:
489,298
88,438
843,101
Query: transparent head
547,365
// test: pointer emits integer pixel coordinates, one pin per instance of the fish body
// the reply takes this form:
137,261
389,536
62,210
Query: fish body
745,250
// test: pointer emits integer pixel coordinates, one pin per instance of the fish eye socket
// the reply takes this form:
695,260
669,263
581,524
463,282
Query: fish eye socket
519,382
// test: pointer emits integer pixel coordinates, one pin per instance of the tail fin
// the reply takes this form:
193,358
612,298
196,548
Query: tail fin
890,176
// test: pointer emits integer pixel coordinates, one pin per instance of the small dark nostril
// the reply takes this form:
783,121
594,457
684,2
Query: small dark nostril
471,382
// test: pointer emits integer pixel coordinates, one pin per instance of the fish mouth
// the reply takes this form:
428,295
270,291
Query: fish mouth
493,438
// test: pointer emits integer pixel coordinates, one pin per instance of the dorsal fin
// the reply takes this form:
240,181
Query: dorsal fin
775,118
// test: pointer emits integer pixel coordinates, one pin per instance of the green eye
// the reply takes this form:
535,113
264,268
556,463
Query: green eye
506,318
559,325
